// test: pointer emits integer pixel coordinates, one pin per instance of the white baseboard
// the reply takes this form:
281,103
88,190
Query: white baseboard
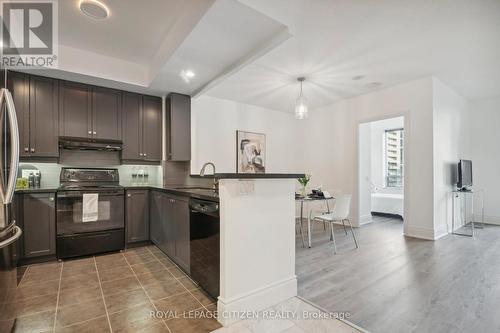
419,232
235,308
440,232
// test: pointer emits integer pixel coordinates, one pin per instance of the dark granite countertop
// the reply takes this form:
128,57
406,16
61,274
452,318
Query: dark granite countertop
190,191
253,175
44,189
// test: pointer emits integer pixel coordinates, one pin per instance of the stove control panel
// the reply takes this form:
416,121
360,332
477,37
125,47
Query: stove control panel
89,175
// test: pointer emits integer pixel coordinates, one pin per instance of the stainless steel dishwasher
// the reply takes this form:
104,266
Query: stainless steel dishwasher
205,247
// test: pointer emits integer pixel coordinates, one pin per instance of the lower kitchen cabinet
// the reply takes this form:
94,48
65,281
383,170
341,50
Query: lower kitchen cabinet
155,216
181,218
170,226
39,225
137,216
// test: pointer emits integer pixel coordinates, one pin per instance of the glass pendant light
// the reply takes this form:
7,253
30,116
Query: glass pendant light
301,103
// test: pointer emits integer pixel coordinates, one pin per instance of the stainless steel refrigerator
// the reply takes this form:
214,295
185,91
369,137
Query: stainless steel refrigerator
9,231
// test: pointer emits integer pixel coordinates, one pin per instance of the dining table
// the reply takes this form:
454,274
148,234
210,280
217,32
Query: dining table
307,199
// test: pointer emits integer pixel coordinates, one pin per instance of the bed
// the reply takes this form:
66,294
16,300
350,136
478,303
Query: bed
388,203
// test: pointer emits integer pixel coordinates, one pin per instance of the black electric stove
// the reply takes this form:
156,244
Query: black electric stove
80,236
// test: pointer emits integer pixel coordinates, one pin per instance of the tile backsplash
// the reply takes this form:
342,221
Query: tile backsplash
50,172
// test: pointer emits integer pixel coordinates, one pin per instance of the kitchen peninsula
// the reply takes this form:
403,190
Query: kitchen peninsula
257,254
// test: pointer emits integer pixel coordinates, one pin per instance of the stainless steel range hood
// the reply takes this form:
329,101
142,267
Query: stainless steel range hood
84,144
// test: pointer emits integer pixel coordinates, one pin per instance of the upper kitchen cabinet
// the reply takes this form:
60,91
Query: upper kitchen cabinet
75,105
44,117
142,130
106,114
18,84
178,124
89,112
36,100
132,126
151,117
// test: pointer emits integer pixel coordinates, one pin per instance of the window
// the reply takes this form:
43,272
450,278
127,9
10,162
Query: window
394,159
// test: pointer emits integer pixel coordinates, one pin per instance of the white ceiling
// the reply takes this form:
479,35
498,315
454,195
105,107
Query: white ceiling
388,41
227,33
145,45
132,32
242,50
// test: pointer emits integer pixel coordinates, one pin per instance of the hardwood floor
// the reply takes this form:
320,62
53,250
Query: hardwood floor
394,283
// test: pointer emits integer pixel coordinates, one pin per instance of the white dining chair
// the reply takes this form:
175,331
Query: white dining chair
340,213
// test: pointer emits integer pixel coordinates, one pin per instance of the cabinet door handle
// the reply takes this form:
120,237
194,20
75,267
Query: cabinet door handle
145,154
140,154
51,198
95,132
32,150
129,195
90,132
26,149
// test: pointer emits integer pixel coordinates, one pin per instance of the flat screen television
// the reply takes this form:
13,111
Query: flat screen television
464,174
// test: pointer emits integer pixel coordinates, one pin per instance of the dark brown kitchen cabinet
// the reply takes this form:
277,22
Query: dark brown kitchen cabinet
142,132
178,125
36,100
106,114
75,105
137,216
151,117
132,126
156,215
162,227
170,226
18,84
181,221
44,117
39,225
89,112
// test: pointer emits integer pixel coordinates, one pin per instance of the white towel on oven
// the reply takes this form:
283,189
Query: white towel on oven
90,207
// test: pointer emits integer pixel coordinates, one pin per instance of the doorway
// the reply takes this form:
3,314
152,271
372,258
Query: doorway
381,169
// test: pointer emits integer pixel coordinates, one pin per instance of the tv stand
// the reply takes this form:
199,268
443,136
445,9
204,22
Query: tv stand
463,194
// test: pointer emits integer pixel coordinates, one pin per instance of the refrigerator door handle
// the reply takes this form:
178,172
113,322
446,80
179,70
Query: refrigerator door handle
8,193
17,233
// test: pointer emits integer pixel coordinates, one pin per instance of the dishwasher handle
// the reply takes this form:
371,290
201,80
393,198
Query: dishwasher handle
204,207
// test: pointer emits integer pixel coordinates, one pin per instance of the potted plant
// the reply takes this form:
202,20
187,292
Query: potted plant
303,182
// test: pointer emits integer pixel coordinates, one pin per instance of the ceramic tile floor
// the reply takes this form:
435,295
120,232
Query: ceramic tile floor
110,293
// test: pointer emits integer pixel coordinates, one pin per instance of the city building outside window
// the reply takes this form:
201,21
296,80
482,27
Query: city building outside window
394,159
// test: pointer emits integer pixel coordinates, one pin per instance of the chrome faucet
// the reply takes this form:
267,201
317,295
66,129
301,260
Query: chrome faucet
202,172
215,186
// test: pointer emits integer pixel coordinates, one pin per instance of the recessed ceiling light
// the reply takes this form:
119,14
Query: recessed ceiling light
187,75
374,84
94,9
358,77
